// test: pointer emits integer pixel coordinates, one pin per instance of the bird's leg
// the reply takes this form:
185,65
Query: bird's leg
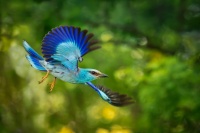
52,84
43,78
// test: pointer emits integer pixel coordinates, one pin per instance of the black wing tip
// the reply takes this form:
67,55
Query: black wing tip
117,99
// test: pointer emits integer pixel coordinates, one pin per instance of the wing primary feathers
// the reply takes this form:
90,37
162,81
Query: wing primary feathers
89,36
92,42
76,32
71,29
117,99
65,39
111,97
83,40
84,32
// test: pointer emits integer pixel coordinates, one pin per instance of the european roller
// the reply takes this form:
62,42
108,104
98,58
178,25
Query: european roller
62,48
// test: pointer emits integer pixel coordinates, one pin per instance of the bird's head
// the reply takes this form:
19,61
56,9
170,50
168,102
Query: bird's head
92,74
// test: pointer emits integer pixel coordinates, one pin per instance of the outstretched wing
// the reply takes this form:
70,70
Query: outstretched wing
111,97
115,98
67,45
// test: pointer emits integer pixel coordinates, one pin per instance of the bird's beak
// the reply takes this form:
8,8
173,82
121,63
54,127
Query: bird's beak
103,75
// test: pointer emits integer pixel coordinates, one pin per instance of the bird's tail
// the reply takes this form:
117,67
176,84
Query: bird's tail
33,57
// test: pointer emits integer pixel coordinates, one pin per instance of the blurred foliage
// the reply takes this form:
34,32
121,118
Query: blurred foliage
150,50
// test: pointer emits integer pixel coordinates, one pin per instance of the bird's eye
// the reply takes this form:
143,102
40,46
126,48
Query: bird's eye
93,73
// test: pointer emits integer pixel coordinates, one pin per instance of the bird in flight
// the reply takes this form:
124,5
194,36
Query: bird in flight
62,48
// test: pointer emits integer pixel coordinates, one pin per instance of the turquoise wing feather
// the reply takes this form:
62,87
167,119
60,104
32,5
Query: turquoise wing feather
67,45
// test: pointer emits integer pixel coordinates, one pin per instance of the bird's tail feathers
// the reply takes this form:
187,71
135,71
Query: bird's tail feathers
31,51
35,63
34,58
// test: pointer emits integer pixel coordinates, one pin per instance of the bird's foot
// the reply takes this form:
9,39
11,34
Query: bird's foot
43,78
52,84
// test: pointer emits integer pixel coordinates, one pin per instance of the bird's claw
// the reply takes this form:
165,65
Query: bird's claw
52,84
43,78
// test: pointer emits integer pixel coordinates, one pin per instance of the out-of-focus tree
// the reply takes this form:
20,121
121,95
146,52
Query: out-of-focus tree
150,50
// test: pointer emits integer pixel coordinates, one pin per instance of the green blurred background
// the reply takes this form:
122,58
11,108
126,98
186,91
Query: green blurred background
150,50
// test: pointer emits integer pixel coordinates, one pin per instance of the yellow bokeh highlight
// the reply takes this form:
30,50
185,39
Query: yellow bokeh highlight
109,113
114,129
66,130
93,111
107,36
102,130
119,129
